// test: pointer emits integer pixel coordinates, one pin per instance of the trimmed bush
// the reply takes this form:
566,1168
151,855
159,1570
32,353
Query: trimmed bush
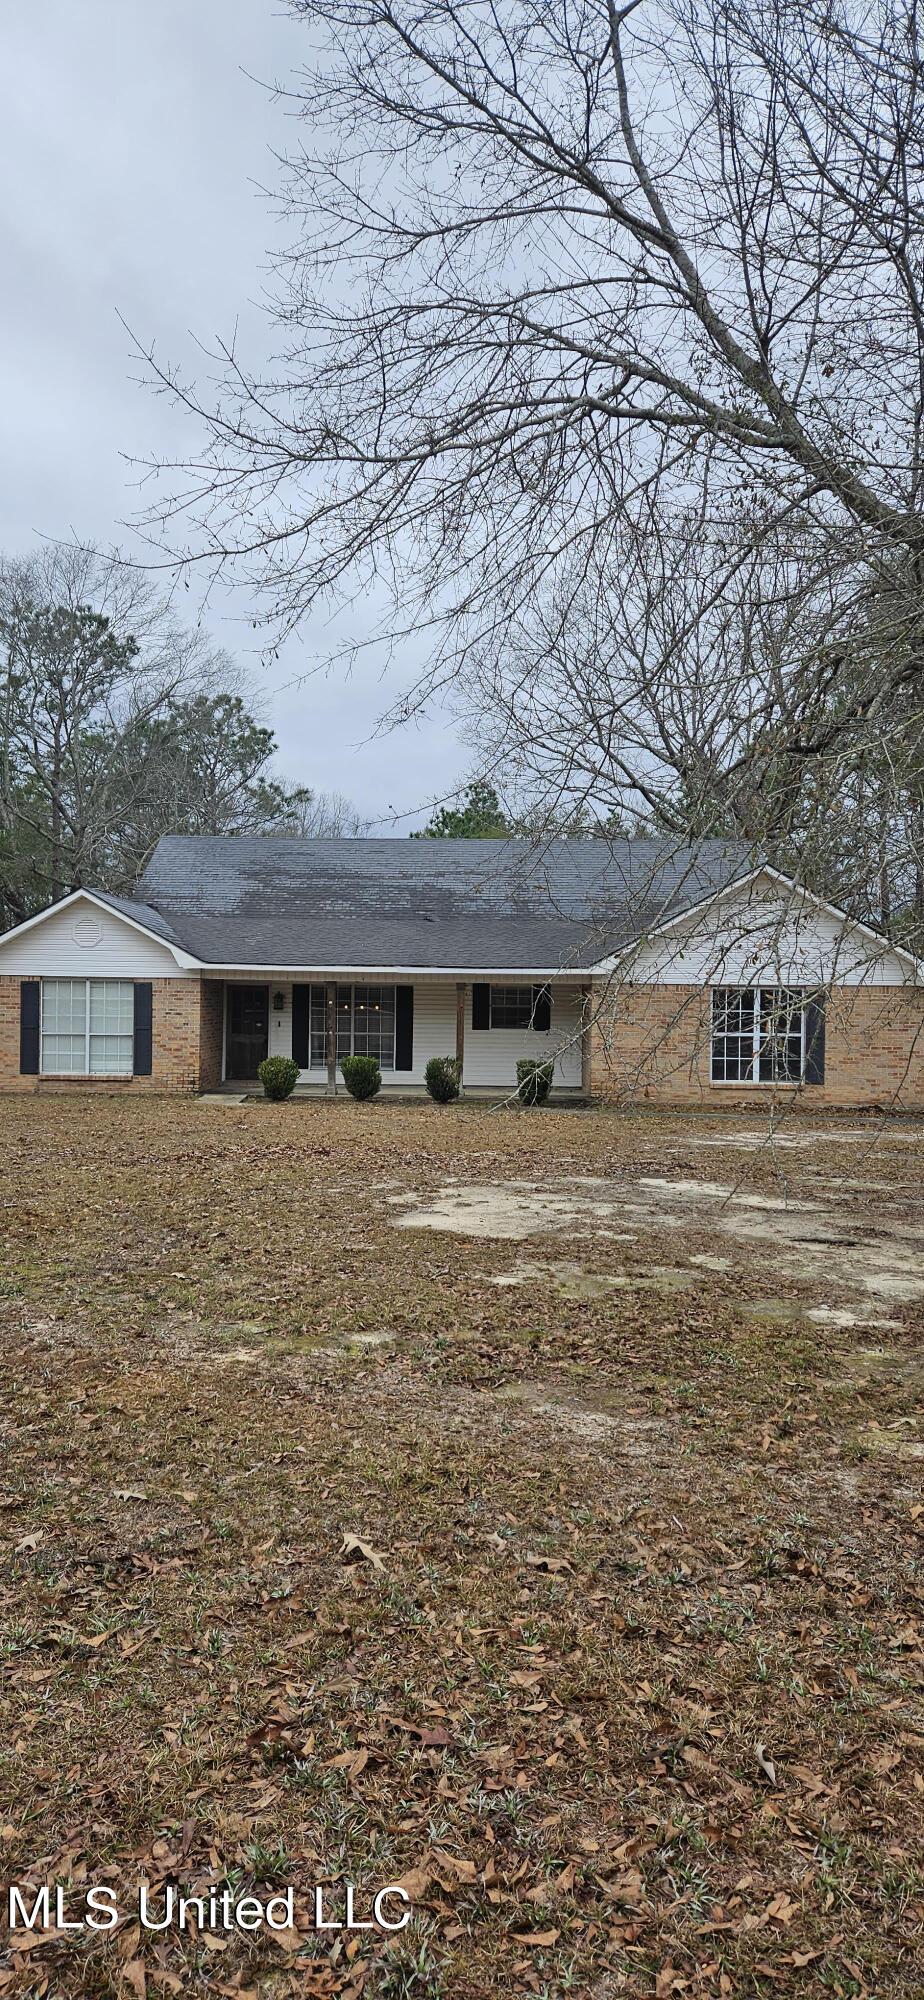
278,1075
443,1078
362,1076
534,1080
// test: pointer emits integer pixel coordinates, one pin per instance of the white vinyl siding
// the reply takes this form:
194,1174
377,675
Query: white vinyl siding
87,1027
763,934
491,1054
84,938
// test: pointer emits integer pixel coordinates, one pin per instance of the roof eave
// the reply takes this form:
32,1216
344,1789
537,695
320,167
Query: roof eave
497,972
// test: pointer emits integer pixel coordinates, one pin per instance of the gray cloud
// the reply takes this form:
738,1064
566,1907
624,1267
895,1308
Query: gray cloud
133,145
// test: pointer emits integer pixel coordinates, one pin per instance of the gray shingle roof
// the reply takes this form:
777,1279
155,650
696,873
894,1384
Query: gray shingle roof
428,904
141,913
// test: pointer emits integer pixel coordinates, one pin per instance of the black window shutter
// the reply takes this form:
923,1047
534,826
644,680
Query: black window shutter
815,1039
481,1006
29,1003
404,1027
542,1009
144,1005
301,1046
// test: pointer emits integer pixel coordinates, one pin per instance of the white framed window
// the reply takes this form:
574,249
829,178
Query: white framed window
87,1027
758,1034
365,1024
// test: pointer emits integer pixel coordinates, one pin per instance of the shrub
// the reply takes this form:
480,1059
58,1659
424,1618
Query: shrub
534,1080
443,1078
278,1075
362,1076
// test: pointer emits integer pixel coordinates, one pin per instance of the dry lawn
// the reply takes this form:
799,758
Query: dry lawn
625,1679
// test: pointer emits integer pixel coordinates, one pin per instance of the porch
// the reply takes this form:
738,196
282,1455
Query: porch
487,1025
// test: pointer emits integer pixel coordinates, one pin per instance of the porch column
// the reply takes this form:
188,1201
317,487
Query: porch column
330,1011
587,1015
460,1030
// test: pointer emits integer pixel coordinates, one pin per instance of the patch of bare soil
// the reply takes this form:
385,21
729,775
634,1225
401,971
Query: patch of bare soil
804,1239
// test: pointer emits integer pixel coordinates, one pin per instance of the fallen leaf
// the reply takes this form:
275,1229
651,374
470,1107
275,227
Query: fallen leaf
809,1779
629,1889
455,1864
435,1738
288,1940
781,1910
415,1882
30,1542
352,1550
134,1976
537,1938
668,1981
129,1492
768,1768
351,1761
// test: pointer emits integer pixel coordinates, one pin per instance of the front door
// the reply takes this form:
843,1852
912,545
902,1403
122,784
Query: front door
248,1031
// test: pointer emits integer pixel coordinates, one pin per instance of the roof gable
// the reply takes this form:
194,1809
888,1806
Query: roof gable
764,926
91,932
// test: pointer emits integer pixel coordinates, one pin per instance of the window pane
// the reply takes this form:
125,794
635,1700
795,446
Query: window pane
64,1054
112,1006
733,1011
318,1027
64,1003
781,1013
344,1022
112,1012
374,1024
111,1055
64,1016
511,1006
733,1016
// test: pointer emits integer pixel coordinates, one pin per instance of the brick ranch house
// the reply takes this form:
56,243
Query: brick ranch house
646,971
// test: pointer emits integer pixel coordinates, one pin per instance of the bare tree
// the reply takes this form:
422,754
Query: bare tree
326,816
668,710
569,281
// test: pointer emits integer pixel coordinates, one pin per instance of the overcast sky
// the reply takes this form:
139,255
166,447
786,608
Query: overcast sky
133,145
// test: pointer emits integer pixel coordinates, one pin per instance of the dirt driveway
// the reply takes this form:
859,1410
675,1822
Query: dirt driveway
526,1507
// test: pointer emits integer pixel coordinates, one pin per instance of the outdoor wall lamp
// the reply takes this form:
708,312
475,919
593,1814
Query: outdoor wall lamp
279,1001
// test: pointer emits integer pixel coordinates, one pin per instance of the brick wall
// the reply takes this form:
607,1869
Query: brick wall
651,1044
211,1033
9,1036
186,1042
175,1039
